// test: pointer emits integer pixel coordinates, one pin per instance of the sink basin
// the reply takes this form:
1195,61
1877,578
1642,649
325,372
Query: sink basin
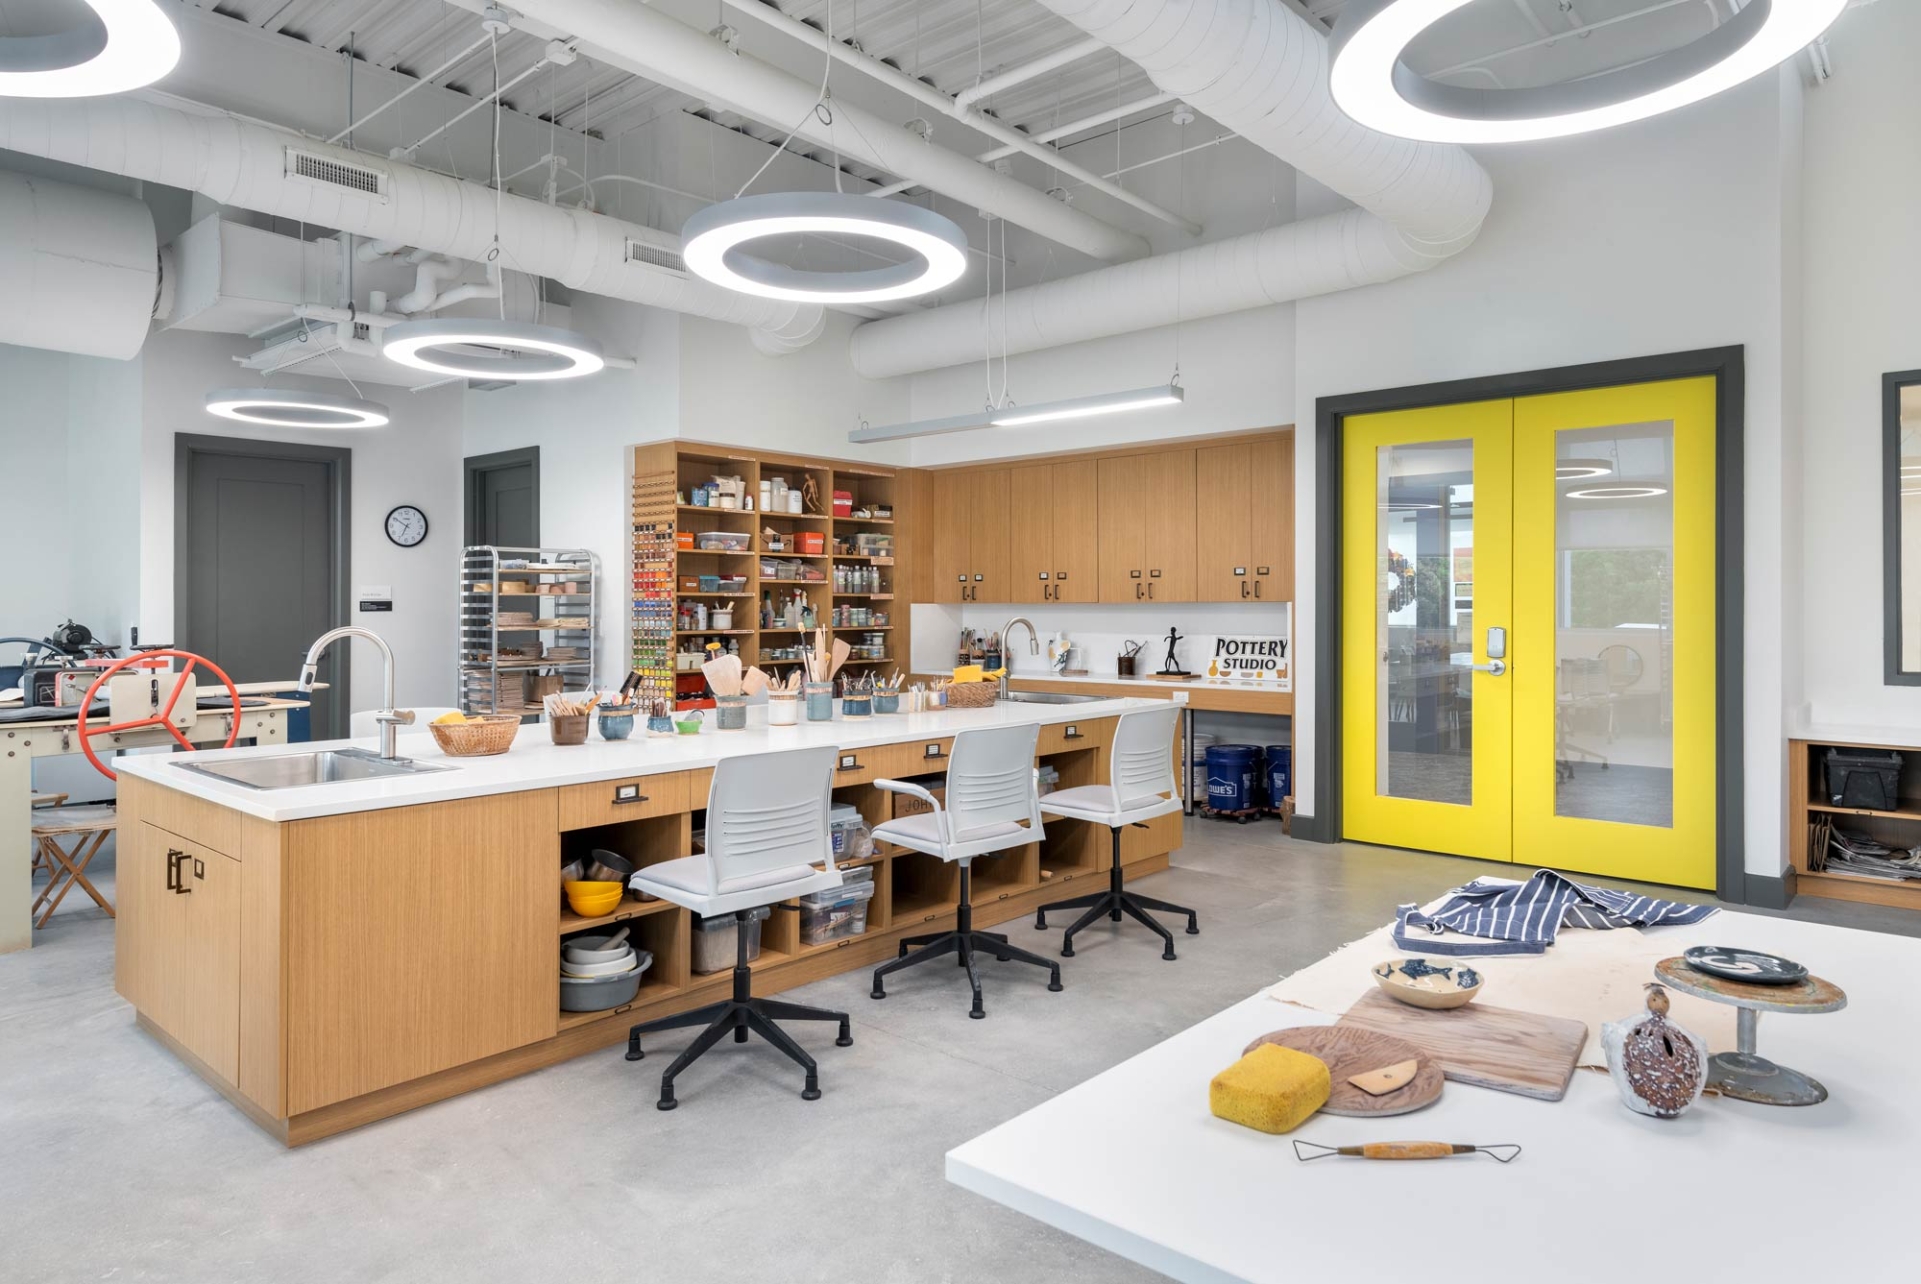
1050,697
318,767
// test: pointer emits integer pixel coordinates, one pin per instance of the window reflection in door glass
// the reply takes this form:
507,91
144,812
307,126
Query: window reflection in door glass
1614,624
1424,612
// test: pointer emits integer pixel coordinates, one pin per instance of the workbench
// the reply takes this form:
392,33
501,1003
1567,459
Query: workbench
55,736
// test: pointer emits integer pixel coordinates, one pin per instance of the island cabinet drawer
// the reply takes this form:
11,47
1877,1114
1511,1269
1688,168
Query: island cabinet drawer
635,798
1061,737
177,956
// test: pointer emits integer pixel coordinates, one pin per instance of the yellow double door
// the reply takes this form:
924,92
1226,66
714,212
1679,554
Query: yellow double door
1528,630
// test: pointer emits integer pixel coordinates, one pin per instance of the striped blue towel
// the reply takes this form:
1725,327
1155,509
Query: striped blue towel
1522,918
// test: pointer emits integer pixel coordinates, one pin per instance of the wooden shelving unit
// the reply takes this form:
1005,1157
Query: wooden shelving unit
1897,827
845,576
490,584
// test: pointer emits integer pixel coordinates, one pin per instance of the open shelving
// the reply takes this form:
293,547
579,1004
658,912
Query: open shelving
1810,809
525,580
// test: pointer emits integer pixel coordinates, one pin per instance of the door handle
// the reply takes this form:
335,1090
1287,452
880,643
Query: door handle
1493,667
173,868
1243,588
1150,591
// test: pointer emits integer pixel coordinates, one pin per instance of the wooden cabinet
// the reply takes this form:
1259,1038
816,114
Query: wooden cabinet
180,965
1056,537
1147,527
947,514
972,540
1245,492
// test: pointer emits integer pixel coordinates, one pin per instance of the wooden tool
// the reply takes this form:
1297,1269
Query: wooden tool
1500,1152
1350,1052
840,653
1488,1047
1378,1083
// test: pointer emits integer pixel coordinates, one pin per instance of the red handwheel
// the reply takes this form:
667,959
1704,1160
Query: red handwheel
162,718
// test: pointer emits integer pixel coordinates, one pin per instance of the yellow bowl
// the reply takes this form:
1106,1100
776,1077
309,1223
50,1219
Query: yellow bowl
592,898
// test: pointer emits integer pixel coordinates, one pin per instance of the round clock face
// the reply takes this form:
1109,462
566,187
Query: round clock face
406,526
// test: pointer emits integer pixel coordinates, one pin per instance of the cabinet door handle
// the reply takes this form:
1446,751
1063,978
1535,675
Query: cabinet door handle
1243,588
1150,591
1257,588
173,868
1138,595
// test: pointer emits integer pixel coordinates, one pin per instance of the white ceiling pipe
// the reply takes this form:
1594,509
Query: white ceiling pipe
78,267
1294,261
667,51
920,91
1038,142
245,164
1025,72
1259,69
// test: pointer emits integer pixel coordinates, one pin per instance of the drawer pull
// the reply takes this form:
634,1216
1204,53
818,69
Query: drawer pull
930,918
843,944
849,762
628,794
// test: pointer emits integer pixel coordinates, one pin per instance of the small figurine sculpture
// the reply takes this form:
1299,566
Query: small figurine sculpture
1658,1067
1173,665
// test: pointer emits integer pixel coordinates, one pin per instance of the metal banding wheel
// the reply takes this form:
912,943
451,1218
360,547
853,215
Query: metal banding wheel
163,718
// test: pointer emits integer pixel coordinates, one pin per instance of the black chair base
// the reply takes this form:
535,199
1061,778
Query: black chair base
964,941
742,1014
1114,902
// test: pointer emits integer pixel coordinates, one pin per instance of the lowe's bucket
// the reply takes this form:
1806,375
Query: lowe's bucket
1232,771
1280,774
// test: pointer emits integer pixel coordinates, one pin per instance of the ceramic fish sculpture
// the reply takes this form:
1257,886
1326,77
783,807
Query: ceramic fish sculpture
1658,1067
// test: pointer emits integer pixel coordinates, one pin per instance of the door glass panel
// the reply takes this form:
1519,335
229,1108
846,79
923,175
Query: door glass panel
1614,624
1424,614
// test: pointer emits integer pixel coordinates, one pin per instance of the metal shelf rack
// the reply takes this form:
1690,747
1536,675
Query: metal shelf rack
521,578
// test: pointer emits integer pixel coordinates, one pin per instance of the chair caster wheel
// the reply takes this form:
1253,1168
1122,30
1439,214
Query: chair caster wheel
1168,955
666,1103
978,1014
1067,951
878,993
810,1094
1054,986
1193,929
635,1054
846,1039
1040,922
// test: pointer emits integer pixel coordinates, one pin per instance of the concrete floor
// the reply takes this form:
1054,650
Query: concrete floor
120,1164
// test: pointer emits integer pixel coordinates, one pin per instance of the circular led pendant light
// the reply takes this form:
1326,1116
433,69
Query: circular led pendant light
713,241
1581,469
123,45
1374,87
480,349
1618,492
295,408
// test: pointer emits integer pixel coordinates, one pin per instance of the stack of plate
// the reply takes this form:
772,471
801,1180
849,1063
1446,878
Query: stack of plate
597,972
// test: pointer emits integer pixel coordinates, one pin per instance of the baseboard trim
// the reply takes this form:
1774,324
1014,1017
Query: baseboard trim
1764,892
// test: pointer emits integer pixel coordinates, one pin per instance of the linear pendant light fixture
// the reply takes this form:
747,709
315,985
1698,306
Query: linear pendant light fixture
1376,89
122,45
1013,416
295,408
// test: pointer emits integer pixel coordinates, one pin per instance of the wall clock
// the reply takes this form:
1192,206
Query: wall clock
406,526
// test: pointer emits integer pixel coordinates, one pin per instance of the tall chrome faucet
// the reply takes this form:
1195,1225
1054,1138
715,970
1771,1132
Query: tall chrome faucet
389,718
1007,645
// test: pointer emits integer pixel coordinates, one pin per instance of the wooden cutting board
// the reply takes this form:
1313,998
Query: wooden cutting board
1485,1046
1349,1050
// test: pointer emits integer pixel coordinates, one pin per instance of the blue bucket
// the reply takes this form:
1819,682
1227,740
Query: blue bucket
1280,774
1232,773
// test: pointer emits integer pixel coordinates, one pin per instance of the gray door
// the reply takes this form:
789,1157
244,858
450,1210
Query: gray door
260,568
503,498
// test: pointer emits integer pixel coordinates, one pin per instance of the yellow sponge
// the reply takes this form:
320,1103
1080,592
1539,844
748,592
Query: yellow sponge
1272,1089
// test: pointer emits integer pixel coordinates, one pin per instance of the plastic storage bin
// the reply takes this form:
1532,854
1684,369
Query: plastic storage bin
845,825
838,911
715,943
1865,778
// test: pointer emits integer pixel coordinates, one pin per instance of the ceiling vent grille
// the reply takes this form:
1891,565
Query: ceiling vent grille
333,172
655,256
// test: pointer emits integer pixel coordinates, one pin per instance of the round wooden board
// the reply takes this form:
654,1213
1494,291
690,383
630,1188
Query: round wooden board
1350,1051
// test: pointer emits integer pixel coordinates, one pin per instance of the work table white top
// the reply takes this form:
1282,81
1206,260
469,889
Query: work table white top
1133,1161
535,762
1146,684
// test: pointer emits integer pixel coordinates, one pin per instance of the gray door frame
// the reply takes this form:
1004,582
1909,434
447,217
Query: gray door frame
189,447
474,466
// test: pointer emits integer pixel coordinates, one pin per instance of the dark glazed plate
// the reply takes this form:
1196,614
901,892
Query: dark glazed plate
1744,965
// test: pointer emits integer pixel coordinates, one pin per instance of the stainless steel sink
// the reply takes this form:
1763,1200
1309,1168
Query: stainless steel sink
1050,697
318,767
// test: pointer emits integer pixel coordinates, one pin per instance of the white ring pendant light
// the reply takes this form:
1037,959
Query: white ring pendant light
481,349
295,408
123,45
713,242
1375,88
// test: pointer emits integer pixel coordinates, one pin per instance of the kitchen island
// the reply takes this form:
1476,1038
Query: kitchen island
331,954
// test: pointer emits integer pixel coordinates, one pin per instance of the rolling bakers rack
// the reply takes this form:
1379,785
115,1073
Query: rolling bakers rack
524,613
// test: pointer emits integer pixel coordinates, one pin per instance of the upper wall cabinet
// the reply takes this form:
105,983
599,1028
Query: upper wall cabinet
1056,532
1147,527
1246,496
972,518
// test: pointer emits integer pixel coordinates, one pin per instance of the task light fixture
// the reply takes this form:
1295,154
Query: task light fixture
1375,88
714,246
467,348
1013,416
295,408
122,45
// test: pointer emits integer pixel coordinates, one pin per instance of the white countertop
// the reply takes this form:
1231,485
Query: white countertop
535,762
1151,684
1132,1160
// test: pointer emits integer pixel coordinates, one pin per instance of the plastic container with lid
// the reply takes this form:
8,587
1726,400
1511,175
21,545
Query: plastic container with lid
848,829
715,942
837,911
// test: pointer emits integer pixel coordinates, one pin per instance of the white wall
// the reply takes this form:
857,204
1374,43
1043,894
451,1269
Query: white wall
1651,238
1863,279
414,460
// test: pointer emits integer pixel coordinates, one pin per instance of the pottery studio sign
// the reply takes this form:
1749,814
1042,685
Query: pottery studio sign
1256,658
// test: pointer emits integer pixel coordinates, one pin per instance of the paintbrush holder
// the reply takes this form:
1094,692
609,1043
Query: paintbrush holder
783,708
857,704
820,701
567,728
730,713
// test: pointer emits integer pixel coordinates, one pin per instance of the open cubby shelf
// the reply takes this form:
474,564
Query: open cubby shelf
1899,826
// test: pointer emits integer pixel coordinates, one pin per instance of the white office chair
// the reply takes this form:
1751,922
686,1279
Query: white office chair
362,724
1141,770
766,826
990,792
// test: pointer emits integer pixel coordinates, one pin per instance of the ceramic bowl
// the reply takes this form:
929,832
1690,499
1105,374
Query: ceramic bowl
613,968
591,898
593,949
1446,983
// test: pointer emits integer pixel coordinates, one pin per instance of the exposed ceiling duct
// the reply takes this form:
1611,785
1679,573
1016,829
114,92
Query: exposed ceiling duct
253,166
667,51
1259,69
78,267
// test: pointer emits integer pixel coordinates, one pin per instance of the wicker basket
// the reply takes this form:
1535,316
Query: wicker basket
972,695
494,733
